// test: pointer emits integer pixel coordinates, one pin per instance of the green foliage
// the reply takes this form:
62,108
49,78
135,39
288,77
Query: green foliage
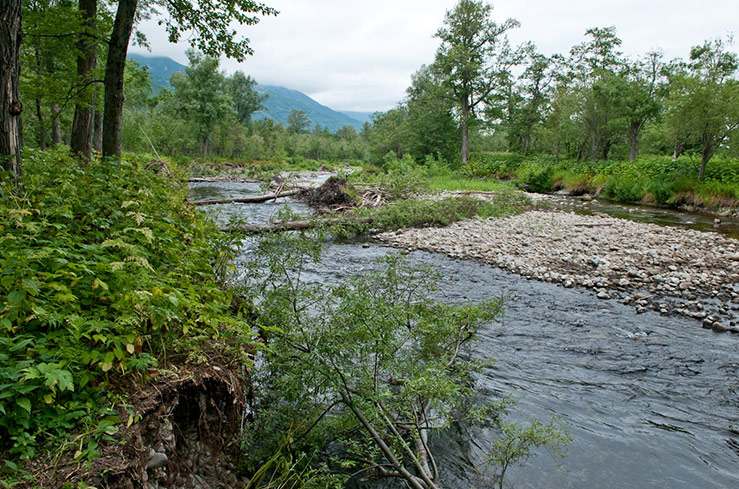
103,269
362,363
211,21
515,445
366,370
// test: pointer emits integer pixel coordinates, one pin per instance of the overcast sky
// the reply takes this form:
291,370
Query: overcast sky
359,54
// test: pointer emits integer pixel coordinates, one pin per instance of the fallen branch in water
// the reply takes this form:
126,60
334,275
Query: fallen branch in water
295,225
223,179
247,200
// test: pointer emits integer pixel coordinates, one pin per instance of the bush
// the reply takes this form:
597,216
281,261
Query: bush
102,268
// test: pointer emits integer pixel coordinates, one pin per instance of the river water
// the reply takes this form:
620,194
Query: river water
650,401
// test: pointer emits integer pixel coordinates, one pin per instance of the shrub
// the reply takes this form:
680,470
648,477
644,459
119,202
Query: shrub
102,267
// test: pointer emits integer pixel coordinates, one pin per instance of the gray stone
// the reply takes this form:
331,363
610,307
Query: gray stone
718,327
156,460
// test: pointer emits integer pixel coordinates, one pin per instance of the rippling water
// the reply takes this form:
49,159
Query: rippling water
651,401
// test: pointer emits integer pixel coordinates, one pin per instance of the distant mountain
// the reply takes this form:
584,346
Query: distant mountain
160,68
360,116
279,104
281,101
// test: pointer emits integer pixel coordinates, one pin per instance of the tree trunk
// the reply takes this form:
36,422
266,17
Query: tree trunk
56,127
114,70
633,138
679,148
41,126
706,155
97,142
593,147
465,131
82,124
10,105
247,200
606,148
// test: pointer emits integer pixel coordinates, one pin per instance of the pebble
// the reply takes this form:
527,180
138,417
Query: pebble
598,252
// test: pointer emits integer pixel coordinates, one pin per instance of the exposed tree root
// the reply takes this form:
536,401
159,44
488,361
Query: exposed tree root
189,425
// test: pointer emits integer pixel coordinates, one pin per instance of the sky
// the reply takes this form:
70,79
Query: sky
359,55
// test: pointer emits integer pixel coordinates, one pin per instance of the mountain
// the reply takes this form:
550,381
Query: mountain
279,104
281,101
160,68
360,116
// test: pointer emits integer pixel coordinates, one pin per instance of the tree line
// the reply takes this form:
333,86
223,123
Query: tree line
482,93
208,114
59,54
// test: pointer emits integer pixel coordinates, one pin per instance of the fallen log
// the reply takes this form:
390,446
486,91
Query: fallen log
247,200
222,179
295,225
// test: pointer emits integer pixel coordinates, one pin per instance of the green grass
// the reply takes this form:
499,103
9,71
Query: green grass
461,182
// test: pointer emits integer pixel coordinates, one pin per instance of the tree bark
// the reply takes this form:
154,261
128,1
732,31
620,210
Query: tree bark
56,127
114,71
633,139
679,148
706,155
465,130
82,124
97,142
41,126
10,105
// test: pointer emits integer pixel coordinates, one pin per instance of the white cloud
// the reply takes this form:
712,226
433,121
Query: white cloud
359,55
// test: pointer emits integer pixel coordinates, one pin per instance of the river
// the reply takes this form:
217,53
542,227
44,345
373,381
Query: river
650,401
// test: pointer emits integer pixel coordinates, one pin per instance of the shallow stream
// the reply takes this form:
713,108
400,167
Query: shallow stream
650,401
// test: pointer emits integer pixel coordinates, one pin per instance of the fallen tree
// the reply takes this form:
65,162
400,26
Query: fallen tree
296,225
256,199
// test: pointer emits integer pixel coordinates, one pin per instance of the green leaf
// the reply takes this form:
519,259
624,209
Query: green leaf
16,298
25,403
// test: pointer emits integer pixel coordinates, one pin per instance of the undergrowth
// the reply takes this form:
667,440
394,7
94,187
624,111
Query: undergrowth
650,179
104,271
407,213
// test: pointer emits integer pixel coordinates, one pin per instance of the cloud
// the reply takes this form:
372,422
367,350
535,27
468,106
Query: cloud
359,55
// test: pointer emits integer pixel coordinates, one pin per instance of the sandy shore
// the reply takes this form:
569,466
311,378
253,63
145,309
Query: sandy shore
671,270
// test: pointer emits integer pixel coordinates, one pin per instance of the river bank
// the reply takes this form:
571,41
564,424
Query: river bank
670,270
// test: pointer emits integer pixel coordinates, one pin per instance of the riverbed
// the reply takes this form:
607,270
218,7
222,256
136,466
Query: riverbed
651,400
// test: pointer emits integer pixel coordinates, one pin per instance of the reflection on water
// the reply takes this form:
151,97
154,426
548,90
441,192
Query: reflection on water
656,215
651,401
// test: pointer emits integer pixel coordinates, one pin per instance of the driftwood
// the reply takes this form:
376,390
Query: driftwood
247,200
223,179
295,225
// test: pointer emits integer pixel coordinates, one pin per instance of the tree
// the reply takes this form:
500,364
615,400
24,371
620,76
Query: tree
10,104
200,96
704,98
297,122
375,364
473,58
84,111
430,127
640,97
246,100
208,22
532,94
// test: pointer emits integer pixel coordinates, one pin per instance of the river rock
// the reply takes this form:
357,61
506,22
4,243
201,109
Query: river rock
595,251
718,327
